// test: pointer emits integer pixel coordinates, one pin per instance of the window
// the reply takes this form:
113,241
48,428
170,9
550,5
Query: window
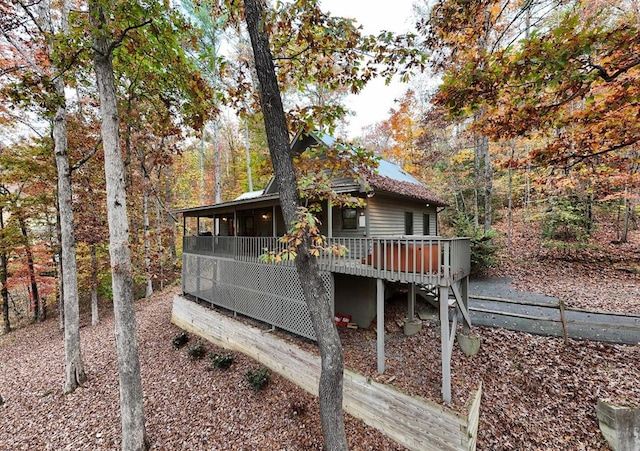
349,218
426,224
408,223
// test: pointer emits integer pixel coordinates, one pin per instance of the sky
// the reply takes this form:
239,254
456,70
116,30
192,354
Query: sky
376,99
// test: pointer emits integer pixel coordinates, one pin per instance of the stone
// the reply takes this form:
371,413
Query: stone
412,327
619,425
470,345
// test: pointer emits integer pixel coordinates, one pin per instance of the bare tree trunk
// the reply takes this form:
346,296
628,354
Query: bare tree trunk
95,313
218,166
510,199
4,276
248,154
74,367
147,242
33,284
159,233
202,173
330,389
488,184
134,437
627,216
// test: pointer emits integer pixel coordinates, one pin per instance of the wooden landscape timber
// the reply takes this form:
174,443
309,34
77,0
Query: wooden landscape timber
414,422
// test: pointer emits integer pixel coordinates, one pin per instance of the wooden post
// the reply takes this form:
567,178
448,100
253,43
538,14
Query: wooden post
412,301
380,323
274,222
445,343
329,219
464,294
563,321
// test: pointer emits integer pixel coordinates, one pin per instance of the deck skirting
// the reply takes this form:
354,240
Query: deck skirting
414,422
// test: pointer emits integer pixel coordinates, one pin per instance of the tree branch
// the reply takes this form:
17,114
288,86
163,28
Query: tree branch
86,158
606,76
115,43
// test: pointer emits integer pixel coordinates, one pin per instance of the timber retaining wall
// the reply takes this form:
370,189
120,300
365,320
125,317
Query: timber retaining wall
414,422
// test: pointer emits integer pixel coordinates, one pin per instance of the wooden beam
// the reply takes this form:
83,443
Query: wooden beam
444,342
461,304
380,323
412,302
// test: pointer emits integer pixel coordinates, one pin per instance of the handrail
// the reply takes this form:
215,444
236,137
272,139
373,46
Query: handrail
420,259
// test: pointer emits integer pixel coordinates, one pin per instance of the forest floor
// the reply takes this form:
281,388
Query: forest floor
538,393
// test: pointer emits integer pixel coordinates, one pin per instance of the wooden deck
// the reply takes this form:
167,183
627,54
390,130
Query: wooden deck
411,421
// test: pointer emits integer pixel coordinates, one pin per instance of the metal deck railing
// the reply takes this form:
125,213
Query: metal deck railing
419,259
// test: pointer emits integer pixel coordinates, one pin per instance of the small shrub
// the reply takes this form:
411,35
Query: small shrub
221,361
180,340
483,246
258,378
197,351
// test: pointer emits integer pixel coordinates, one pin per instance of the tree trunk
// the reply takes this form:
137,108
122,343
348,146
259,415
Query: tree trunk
147,242
4,276
488,184
217,195
330,389
510,198
33,284
627,217
74,367
95,313
134,437
248,154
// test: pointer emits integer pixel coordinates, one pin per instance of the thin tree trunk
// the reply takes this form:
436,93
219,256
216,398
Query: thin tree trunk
330,387
627,217
218,166
248,154
4,276
203,185
510,199
33,284
147,241
95,313
488,184
134,437
159,235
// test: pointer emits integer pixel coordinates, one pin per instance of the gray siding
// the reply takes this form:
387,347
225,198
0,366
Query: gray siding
338,231
386,216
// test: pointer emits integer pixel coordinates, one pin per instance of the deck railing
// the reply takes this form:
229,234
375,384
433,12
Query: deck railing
420,259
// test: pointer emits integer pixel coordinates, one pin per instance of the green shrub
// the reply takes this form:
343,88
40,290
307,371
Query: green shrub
197,351
221,361
483,246
258,378
180,340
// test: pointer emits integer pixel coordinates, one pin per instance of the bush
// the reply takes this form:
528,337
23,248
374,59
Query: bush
258,378
483,246
197,351
221,361
180,340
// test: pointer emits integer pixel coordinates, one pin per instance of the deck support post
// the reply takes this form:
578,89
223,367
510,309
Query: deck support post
464,294
445,343
412,302
329,219
380,323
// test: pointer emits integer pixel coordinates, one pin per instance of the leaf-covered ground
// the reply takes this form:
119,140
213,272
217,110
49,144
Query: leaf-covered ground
537,393
604,275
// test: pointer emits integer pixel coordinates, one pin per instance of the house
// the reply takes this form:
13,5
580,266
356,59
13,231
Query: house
394,238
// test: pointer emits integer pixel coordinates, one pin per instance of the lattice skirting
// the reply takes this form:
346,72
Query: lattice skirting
267,292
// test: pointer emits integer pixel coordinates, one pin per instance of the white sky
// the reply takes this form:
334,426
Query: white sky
374,102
